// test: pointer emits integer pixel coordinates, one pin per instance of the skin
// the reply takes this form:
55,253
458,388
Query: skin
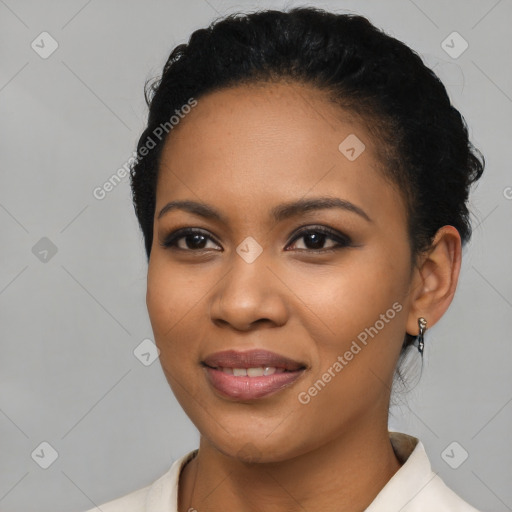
243,151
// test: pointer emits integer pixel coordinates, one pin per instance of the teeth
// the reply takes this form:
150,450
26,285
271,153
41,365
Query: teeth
259,371
255,372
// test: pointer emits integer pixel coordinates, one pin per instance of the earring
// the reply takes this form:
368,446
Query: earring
422,325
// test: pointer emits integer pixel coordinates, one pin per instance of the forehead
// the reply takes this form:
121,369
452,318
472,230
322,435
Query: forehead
255,145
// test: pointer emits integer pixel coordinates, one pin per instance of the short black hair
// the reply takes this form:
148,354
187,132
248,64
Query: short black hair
423,140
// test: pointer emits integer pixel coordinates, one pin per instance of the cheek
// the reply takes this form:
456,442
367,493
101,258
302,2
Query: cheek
361,314
344,300
170,298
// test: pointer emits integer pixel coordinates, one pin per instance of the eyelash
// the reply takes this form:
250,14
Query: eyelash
170,242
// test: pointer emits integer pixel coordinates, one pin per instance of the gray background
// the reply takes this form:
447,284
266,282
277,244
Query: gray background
70,321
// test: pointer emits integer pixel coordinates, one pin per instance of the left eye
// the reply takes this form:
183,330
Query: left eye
314,239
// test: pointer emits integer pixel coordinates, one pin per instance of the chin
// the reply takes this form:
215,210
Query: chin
255,447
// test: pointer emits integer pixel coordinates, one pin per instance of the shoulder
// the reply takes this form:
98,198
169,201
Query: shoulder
438,495
133,502
415,487
155,497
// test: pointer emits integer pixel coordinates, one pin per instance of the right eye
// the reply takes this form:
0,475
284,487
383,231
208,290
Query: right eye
194,240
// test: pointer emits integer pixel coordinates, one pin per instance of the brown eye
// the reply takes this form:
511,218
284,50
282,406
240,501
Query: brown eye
315,239
193,240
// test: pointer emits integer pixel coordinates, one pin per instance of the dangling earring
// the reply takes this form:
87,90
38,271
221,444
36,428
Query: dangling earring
423,325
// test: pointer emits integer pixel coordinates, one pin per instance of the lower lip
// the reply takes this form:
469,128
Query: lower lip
250,388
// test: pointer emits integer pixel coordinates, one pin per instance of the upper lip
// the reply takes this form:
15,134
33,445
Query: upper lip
251,359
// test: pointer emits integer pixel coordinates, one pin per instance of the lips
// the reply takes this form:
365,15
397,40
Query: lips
251,359
250,375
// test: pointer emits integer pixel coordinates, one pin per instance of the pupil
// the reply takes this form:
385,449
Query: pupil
317,239
201,239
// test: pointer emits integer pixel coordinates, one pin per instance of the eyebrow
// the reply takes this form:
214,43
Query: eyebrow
278,213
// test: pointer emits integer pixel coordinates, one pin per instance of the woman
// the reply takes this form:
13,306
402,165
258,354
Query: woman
301,187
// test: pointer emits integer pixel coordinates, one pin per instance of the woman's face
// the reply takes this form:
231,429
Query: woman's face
334,304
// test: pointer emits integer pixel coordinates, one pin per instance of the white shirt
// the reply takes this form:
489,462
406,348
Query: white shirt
413,488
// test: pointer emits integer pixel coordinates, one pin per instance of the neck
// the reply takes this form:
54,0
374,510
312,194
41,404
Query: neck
345,474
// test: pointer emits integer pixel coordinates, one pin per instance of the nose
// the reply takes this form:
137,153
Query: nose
249,296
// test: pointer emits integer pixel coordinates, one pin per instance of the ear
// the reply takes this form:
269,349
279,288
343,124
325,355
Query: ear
435,279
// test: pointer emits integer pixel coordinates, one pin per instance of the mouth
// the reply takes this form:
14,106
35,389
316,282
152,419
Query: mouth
255,371
252,374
